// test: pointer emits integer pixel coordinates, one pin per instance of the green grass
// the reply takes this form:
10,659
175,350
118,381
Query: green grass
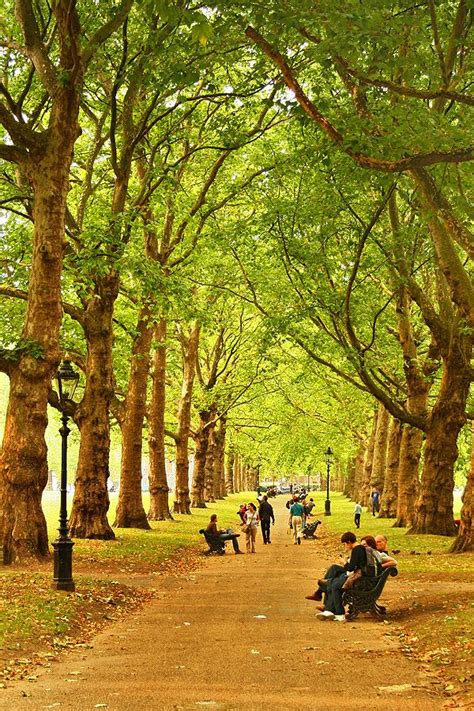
135,546
342,519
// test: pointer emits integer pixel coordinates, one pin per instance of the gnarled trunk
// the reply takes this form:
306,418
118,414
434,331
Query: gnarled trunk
464,541
182,499
23,457
91,499
158,483
434,508
408,475
130,512
388,508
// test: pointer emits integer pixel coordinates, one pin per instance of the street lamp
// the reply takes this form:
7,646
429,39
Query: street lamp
258,479
67,380
328,458
308,472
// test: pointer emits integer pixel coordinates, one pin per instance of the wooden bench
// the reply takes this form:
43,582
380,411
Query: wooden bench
216,544
363,596
309,531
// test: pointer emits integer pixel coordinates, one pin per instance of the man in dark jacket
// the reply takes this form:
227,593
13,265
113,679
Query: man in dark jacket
265,513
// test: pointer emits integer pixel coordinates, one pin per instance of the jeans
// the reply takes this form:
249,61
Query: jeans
230,536
265,524
333,601
357,520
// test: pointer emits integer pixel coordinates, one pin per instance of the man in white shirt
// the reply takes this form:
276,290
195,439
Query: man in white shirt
387,560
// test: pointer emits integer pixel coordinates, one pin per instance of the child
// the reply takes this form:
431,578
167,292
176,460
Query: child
357,513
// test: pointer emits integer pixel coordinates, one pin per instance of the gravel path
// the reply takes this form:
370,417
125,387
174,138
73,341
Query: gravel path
236,634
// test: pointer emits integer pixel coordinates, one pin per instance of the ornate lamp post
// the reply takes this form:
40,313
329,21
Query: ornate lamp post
67,380
328,457
258,479
308,472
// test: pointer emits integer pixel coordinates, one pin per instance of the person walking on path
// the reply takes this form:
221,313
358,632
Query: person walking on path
251,523
296,520
357,513
265,513
375,499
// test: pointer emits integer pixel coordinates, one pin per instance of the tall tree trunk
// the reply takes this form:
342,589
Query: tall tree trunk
158,483
350,479
91,498
408,475
219,482
209,495
434,508
130,512
464,541
380,449
368,462
388,508
182,499
359,473
229,471
202,440
23,456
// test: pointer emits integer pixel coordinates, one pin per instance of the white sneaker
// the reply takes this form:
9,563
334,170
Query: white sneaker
340,618
326,615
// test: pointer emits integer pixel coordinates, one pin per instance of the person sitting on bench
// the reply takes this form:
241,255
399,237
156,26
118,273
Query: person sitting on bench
225,534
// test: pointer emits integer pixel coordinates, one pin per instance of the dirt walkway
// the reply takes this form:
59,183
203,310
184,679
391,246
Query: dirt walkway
237,633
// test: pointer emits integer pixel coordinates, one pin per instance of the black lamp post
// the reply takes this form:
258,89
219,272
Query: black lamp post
258,479
67,380
308,472
328,458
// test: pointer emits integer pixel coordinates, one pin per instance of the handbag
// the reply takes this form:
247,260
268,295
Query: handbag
351,579
247,526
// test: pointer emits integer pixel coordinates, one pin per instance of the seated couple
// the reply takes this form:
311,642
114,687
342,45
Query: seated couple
225,534
368,559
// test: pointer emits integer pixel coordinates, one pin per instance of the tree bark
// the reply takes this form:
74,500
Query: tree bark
182,499
388,507
209,492
202,440
434,508
377,477
46,165
130,512
91,498
229,471
368,462
464,541
219,483
158,484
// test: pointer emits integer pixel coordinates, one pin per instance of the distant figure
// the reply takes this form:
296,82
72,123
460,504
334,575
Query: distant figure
296,520
309,507
226,534
265,512
357,513
375,498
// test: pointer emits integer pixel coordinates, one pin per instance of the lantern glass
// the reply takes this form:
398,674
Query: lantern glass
328,455
67,379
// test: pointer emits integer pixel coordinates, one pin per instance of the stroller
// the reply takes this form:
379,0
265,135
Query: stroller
309,531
